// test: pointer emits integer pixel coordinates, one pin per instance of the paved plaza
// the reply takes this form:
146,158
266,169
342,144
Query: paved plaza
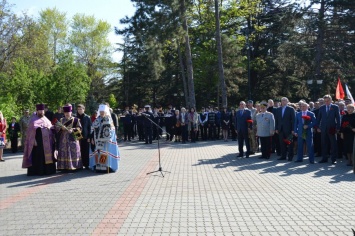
206,191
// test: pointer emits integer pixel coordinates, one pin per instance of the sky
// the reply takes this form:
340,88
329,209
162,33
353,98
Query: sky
108,10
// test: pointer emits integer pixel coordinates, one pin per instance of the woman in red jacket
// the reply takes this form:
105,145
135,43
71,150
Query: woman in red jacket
2,135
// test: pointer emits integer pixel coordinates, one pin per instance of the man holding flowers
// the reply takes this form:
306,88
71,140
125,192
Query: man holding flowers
305,121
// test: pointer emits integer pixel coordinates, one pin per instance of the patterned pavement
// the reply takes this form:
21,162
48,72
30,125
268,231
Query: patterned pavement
206,191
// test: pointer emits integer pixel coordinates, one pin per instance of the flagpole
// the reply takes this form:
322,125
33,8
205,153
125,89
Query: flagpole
348,94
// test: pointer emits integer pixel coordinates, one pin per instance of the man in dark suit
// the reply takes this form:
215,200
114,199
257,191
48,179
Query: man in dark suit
242,115
284,127
328,121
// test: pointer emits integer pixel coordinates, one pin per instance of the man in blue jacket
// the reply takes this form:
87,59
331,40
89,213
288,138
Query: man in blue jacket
305,121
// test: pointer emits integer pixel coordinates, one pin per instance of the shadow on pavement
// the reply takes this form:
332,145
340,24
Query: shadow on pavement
338,173
22,180
173,144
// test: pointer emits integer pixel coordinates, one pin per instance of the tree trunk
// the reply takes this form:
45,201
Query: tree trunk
320,41
182,68
220,57
189,67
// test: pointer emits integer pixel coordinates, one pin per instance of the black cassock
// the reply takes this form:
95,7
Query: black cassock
39,167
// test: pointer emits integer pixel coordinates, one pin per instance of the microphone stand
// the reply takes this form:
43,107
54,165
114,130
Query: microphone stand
160,169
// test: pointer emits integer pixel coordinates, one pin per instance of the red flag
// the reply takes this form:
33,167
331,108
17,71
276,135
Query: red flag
339,93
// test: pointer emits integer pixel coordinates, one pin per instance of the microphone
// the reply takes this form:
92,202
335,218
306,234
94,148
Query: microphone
145,114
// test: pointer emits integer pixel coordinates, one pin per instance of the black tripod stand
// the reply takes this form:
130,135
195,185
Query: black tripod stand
157,127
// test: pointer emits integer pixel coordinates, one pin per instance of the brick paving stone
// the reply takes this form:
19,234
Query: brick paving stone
207,192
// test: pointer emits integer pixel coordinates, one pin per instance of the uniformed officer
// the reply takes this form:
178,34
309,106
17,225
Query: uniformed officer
148,125
265,129
140,124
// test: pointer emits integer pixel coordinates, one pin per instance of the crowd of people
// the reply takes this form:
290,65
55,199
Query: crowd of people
316,129
323,128
62,141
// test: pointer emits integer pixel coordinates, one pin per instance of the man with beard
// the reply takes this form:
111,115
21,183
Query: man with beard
38,153
85,122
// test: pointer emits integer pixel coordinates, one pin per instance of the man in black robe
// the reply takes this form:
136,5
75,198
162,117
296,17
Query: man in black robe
38,152
85,122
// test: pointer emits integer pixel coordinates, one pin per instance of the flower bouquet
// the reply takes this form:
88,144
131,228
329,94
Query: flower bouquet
250,123
288,140
306,121
54,121
346,124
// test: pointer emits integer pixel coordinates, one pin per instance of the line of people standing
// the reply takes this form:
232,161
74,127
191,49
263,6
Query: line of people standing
325,130
181,125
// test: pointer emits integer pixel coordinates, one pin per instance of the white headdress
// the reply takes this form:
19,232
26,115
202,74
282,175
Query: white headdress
105,109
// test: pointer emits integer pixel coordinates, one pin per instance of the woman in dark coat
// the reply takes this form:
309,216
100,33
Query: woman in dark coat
347,132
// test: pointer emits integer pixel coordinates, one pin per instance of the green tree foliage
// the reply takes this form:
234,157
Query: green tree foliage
149,52
69,82
11,27
55,27
88,39
170,53
20,84
8,107
112,101
44,60
283,43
